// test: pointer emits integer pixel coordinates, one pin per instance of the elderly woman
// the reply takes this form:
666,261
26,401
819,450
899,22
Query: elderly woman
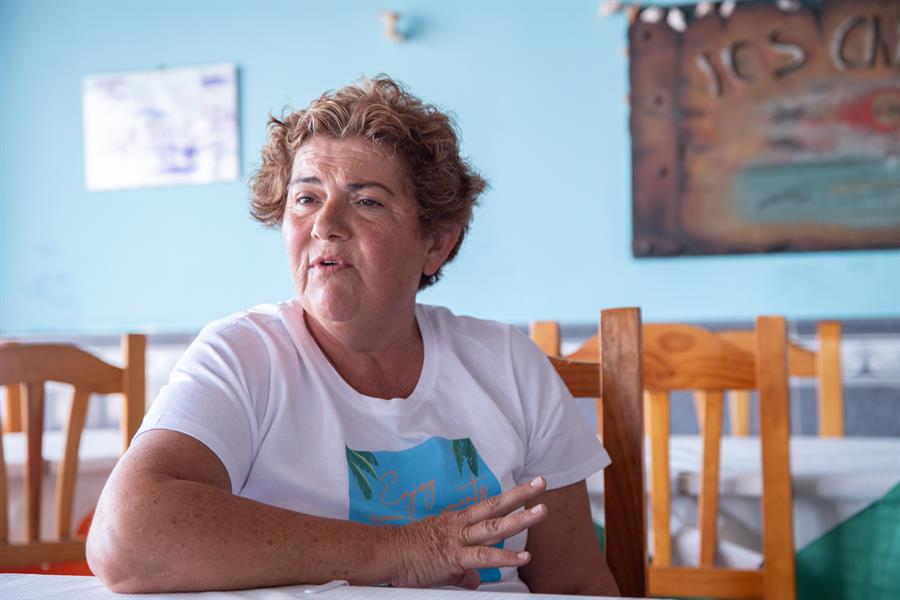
350,433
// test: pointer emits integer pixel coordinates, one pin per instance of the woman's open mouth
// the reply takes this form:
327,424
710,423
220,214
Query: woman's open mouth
330,265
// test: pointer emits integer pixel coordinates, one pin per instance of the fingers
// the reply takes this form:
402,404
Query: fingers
493,531
487,557
505,503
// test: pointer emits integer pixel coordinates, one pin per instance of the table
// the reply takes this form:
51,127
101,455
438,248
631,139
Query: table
28,587
98,454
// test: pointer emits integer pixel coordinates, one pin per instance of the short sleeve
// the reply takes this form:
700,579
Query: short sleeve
561,446
213,397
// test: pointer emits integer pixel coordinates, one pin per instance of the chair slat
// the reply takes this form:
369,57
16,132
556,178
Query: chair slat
625,504
657,404
739,412
34,469
828,368
778,536
12,421
65,488
708,510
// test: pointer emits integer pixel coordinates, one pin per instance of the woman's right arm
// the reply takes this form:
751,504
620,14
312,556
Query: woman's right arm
167,521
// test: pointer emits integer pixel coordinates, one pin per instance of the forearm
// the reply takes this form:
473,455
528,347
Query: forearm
166,534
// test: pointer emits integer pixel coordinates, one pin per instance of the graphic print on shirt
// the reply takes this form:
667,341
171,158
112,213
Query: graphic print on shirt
436,476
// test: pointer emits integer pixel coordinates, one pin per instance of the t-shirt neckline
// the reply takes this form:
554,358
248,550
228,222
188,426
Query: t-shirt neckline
424,386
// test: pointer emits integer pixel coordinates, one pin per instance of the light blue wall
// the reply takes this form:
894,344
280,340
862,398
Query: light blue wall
539,91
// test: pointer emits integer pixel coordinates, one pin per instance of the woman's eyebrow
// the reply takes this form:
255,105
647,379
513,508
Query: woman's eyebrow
299,179
354,187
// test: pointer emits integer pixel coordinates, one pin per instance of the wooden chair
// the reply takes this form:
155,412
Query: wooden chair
25,368
681,357
824,365
618,381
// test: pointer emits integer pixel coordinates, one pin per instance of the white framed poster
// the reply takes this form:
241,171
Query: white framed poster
161,127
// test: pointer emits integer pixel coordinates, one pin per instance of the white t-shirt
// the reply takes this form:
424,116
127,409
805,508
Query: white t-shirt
488,413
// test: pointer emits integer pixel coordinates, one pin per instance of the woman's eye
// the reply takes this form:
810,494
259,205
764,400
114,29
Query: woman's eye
303,201
369,202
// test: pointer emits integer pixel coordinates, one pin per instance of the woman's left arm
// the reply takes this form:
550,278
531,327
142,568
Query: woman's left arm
565,554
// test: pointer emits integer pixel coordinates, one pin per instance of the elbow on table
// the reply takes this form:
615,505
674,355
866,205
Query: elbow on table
119,565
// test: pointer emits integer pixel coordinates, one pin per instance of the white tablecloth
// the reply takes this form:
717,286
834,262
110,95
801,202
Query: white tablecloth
99,451
50,587
833,479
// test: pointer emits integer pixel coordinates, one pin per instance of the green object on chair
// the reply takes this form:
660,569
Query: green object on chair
859,559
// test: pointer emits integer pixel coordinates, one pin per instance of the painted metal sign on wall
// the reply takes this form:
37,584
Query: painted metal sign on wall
767,131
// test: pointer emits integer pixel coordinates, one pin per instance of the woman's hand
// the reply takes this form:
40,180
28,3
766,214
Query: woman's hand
449,549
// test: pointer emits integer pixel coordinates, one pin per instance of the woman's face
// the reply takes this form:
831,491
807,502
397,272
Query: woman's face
352,235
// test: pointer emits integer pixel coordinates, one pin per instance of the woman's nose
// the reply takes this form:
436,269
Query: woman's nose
331,221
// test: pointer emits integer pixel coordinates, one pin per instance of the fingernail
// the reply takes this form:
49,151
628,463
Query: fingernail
538,509
524,556
537,481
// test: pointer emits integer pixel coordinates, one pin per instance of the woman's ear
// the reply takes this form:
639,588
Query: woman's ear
439,246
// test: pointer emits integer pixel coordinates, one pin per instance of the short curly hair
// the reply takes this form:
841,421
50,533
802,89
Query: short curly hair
382,111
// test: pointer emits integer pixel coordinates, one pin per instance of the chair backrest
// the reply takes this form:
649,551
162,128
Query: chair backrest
618,381
682,357
823,364
24,369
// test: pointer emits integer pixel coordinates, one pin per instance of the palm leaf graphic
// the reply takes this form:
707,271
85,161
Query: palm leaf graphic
464,450
472,459
362,465
458,454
